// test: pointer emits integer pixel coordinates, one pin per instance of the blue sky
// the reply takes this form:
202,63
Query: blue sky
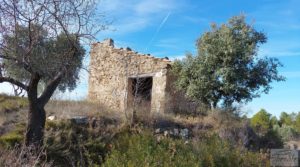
171,27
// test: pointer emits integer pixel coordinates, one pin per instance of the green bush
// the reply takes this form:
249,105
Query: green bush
67,144
9,140
261,122
144,150
13,138
286,132
271,140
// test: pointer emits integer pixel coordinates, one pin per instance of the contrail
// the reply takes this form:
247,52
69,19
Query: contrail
158,29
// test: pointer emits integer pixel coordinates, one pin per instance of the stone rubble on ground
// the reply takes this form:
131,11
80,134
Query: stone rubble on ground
173,132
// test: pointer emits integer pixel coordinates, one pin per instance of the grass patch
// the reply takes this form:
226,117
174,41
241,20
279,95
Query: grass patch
13,138
67,144
11,103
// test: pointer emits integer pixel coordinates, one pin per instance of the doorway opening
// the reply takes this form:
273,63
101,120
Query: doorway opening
140,90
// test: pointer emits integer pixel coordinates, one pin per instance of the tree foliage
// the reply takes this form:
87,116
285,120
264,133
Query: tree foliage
286,119
54,55
261,121
274,121
227,68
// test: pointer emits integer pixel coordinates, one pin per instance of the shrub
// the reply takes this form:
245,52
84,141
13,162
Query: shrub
261,121
271,140
13,138
286,132
67,144
145,150
22,156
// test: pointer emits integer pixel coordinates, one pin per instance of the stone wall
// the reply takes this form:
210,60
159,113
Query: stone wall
110,71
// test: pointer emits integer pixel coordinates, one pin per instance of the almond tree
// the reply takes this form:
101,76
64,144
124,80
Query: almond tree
40,44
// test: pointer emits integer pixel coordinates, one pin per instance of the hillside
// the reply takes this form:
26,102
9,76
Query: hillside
109,139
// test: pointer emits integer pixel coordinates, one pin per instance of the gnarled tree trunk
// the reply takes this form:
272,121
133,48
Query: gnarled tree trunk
36,124
36,113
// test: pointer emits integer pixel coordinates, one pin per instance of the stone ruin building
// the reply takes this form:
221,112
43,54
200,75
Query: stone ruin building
121,79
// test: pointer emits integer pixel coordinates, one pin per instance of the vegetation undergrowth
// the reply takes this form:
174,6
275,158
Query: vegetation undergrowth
68,144
14,137
105,142
144,149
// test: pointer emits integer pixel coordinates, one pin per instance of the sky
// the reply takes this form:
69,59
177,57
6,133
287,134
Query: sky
169,28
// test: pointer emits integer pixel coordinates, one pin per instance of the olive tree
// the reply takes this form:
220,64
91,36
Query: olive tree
41,44
227,68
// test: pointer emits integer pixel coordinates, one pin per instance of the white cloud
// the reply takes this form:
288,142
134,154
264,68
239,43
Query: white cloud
134,15
168,43
129,25
177,57
147,7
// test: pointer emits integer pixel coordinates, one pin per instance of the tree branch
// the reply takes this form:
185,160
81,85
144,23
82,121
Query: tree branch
19,62
13,81
50,88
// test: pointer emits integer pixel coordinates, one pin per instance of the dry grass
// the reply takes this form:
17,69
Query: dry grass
24,157
13,110
64,109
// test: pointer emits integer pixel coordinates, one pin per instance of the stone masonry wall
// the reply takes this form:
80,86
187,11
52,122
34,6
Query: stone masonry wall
110,69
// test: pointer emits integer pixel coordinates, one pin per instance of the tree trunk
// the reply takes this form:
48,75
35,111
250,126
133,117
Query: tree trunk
36,124
36,113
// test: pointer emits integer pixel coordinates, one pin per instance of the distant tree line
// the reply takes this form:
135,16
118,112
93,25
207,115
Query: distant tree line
287,126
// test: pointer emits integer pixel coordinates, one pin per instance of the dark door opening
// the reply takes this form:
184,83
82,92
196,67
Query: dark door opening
140,90
142,87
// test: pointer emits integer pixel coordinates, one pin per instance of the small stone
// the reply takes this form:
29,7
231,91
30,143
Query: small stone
51,117
176,132
166,133
157,130
158,139
184,133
